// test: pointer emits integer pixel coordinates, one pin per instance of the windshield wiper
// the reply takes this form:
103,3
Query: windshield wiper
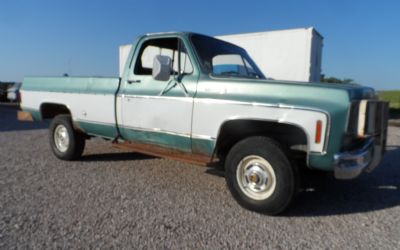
251,75
235,73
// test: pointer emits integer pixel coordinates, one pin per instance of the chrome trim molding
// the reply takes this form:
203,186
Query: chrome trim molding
95,122
183,98
204,137
155,130
69,92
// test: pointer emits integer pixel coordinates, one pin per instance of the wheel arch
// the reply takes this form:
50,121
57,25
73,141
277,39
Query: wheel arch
49,110
287,134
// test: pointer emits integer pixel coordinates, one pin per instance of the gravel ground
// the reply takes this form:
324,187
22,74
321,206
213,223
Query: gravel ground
116,199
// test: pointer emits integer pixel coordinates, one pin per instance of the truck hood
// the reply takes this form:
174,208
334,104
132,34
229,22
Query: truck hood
325,96
355,91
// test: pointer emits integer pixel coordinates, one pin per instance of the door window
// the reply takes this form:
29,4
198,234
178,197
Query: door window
166,47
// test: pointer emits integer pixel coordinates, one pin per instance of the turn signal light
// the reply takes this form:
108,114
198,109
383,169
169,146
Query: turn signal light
318,132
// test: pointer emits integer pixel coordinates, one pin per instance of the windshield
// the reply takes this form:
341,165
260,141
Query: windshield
219,58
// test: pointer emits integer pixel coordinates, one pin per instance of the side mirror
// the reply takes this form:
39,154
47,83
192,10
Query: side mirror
162,66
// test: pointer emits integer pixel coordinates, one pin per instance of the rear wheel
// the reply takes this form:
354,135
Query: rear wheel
66,143
260,176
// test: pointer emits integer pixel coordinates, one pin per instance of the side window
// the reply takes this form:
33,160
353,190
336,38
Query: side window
166,47
228,64
231,64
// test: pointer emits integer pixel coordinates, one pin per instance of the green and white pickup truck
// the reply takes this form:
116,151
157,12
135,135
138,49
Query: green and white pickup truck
198,99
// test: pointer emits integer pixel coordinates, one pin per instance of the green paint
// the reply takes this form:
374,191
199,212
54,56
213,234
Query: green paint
321,162
203,146
178,142
102,130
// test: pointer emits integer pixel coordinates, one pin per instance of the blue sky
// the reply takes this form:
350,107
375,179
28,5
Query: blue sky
361,38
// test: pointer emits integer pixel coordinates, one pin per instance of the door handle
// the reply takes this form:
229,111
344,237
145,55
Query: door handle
132,81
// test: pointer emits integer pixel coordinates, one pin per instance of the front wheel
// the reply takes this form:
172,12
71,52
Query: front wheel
65,142
260,176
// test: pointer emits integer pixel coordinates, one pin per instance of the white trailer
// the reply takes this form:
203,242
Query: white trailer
293,54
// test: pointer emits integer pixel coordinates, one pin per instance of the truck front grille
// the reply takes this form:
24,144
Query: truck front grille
368,118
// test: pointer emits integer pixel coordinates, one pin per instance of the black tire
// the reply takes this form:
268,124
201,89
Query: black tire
244,180
76,140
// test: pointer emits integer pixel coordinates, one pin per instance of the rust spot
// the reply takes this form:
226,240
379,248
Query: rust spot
154,150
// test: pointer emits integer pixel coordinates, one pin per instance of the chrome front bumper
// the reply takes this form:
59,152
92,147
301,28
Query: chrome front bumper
369,120
349,165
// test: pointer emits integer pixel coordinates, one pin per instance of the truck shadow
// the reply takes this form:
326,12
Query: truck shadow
322,195
115,157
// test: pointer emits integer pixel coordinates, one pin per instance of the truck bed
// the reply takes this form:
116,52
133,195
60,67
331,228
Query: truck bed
81,95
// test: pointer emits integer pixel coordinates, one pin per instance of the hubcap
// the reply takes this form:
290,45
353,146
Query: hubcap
256,177
61,138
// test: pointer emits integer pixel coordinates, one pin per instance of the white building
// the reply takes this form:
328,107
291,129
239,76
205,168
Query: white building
293,54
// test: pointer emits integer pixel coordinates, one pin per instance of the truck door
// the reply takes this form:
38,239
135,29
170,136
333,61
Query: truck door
158,112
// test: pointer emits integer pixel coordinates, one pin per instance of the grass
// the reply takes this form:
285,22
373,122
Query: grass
393,97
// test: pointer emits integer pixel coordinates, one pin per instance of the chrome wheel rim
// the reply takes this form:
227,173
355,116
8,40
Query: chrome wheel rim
256,177
61,138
